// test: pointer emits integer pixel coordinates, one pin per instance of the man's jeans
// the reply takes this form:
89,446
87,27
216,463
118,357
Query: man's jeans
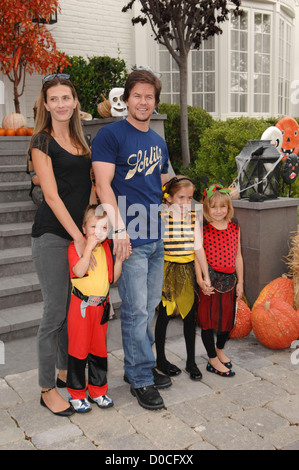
140,288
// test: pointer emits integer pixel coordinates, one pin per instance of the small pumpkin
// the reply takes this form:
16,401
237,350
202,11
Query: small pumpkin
14,121
275,323
10,132
30,131
281,287
2,132
21,131
243,325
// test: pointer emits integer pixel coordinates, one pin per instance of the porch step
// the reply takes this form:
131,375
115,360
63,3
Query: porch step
23,320
14,191
13,173
15,235
17,212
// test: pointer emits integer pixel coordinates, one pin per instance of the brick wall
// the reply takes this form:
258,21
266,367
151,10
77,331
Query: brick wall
84,28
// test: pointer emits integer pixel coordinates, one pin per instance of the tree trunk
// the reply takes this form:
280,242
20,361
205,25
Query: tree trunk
184,110
16,98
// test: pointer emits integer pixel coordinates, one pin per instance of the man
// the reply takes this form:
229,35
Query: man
130,163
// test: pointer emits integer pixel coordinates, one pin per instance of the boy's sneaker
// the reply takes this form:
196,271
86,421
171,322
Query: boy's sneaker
80,405
103,401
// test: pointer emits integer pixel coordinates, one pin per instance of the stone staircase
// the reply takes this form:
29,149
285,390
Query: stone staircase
20,296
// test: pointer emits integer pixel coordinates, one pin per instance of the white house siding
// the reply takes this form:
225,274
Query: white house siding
98,27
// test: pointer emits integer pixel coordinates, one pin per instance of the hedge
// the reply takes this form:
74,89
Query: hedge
214,145
95,76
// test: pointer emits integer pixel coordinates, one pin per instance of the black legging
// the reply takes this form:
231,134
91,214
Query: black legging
189,334
207,337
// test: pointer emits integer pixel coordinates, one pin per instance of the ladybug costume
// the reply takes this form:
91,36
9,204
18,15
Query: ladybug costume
217,311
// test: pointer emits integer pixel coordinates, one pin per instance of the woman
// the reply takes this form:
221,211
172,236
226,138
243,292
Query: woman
61,160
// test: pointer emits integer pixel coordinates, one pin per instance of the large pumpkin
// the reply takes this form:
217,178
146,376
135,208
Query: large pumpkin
282,288
14,121
243,325
275,324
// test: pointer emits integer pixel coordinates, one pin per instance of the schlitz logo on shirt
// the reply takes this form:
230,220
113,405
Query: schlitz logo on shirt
141,162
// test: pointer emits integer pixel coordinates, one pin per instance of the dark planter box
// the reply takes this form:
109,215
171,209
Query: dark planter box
266,230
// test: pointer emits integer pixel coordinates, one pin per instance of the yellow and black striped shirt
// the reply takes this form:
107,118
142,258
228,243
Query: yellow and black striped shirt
179,238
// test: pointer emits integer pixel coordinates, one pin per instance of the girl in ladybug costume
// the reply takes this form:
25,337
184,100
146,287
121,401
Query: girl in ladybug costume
221,242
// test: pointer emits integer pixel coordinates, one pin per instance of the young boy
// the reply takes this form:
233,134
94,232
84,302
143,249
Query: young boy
89,312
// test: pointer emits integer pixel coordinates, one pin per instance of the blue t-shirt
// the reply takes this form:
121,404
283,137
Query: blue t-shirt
139,159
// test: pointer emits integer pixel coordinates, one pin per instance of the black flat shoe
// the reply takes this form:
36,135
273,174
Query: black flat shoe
212,369
60,383
194,372
160,381
228,365
148,397
169,369
67,412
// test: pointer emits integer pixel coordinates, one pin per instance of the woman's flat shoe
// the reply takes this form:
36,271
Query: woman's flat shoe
228,365
67,412
169,369
60,383
212,369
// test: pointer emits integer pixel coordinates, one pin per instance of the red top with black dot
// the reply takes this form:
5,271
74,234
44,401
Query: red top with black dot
221,247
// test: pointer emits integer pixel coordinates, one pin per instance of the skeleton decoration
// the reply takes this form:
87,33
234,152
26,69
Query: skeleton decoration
274,135
118,106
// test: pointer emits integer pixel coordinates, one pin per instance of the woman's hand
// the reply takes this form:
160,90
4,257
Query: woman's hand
80,245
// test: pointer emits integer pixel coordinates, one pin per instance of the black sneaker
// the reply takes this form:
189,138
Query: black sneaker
148,397
160,381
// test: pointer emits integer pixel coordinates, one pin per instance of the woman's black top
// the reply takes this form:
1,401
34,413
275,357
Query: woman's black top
72,174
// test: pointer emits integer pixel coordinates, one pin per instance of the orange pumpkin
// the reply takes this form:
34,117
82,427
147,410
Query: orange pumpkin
2,131
282,288
10,132
21,131
29,131
14,121
243,325
275,324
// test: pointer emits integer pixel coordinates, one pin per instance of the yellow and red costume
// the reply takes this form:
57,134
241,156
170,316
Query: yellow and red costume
87,324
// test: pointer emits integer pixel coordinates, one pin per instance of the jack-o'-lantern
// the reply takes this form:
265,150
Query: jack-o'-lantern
290,131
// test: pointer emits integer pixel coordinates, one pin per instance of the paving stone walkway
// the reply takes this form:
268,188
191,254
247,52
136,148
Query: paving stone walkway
256,409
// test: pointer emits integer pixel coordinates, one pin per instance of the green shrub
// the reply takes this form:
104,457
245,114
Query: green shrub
220,144
95,76
198,119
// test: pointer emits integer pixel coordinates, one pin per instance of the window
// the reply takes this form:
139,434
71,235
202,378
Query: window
250,63
284,69
170,77
204,75
239,64
262,63
203,81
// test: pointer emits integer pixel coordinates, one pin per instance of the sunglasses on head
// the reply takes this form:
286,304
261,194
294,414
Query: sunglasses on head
48,78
